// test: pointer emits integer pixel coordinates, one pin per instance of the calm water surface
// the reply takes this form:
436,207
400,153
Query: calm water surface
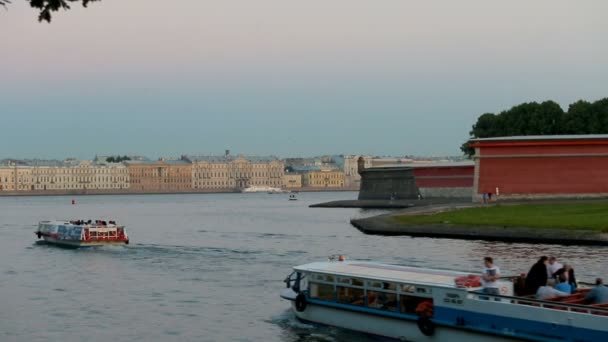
205,267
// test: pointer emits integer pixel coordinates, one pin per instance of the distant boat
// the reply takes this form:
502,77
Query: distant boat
293,197
267,189
81,234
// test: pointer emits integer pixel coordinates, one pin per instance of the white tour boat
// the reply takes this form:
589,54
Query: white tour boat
421,304
267,189
81,233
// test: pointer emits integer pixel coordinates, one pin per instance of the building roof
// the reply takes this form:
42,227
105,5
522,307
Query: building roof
309,168
543,137
158,162
229,158
385,272
462,163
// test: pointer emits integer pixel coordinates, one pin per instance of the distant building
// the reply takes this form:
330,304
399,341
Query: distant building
352,178
15,177
323,179
78,175
292,180
160,176
235,172
537,167
70,174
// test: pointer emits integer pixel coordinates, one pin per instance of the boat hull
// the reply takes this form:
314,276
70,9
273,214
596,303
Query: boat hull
80,243
391,328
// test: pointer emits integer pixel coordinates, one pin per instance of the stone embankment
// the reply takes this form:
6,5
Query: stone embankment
389,204
387,225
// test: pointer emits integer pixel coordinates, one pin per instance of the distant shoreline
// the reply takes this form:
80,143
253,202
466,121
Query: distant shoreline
97,192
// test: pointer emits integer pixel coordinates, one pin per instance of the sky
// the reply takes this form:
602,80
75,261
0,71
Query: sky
286,78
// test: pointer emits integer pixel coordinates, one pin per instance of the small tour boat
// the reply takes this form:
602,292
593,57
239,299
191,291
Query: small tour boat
81,233
293,197
422,304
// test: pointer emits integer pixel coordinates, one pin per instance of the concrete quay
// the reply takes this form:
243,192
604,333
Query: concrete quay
388,204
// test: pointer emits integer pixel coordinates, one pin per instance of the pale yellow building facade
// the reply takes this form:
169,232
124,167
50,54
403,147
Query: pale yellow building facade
228,172
292,180
15,178
323,179
84,175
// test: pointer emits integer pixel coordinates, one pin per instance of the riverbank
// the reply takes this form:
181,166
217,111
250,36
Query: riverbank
574,222
389,204
87,192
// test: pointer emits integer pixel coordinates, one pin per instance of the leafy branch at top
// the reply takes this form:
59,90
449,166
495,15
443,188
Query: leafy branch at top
46,7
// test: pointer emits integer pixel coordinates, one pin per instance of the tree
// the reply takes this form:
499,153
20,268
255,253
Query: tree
546,118
48,6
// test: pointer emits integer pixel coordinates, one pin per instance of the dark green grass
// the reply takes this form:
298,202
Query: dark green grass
583,215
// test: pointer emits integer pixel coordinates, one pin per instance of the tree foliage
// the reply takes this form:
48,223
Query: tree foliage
117,159
46,7
546,118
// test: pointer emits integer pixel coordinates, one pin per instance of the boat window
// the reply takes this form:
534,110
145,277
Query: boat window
407,288
321,291
382,285
382,300
357,282
409,304
352,296
323,277
374,284
344,280
423,290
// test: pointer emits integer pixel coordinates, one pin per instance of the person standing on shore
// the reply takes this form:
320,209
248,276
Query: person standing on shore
489,277
537,276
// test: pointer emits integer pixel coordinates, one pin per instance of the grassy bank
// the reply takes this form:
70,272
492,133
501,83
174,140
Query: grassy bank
573,215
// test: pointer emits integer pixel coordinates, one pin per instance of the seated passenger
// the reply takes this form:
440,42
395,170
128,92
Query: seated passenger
563,285
537,276
599,294
548,291
568,271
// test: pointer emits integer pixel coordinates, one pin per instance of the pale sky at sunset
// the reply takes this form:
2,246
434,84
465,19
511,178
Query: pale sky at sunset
290,78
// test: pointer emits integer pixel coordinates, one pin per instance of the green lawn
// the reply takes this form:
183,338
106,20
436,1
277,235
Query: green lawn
581,215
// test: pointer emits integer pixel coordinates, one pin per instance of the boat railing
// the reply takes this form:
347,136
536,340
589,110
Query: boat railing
592,309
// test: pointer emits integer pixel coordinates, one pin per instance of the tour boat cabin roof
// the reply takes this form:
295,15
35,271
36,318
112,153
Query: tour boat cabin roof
385,272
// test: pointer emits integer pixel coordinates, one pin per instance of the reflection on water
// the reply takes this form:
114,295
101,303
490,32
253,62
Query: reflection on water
206,267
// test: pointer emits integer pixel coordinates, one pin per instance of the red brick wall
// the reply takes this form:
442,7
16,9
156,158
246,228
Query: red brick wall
542,173
444,177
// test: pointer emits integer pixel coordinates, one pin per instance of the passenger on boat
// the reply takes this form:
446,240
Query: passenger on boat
549,291
563,284
553,266
537,276
568,271
599,294
489,276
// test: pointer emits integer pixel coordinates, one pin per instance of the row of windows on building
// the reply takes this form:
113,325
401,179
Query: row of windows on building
232,183
237,174
38,171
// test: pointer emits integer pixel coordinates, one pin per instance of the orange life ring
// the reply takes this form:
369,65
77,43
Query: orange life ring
425,309
468,281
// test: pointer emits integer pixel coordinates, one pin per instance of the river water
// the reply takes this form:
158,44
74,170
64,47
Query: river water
206,267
